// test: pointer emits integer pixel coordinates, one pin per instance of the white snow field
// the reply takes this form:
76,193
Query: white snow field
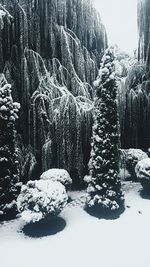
85,241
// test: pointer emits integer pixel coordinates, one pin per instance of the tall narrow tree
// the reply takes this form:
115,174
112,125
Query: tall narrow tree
104,189
8,163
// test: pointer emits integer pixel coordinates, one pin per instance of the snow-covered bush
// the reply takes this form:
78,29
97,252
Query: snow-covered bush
39,199
142,170
59,175
132,157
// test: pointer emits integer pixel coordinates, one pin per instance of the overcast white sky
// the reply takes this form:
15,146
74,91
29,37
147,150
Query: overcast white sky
120,20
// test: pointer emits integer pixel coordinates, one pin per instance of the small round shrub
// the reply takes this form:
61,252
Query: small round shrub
39,199
142,170
59,175
132,157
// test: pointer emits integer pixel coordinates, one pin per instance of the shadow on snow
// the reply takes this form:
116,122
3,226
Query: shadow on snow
43,228
105,214
145,194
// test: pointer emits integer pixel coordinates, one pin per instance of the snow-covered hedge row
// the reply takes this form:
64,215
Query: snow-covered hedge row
131,158
38,199
142,170
58,175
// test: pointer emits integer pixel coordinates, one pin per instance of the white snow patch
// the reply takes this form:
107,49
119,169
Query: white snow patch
86,241
142,169
59,175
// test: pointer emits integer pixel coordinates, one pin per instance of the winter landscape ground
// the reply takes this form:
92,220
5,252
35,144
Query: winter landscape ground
85,240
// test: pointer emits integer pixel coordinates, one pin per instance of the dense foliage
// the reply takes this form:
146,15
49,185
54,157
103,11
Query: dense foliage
135,89
8,161
135,92
51,59
104,189
135,109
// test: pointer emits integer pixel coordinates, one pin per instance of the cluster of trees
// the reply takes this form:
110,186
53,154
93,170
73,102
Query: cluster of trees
104,189
104,186
51,59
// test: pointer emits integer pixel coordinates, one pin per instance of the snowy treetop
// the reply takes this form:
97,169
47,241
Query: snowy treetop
107,70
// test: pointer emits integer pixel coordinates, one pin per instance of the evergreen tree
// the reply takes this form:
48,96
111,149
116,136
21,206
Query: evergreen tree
104,188
8,163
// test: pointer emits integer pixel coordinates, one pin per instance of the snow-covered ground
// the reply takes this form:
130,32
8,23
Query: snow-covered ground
85,241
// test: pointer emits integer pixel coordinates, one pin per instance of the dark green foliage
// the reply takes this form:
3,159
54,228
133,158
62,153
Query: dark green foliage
104,190
8,160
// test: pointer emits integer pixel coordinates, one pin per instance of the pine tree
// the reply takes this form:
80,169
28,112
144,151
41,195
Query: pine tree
104,188
8,163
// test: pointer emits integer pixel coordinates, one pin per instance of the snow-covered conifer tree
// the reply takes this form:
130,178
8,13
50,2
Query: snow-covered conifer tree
104,188
8,163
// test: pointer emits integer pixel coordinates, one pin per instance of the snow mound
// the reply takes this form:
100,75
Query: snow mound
132,157
38,199
59,175
142,170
